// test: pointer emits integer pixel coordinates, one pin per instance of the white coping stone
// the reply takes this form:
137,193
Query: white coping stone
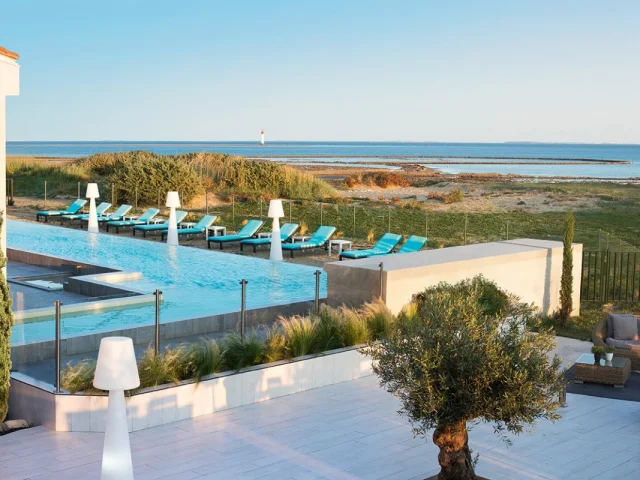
452,254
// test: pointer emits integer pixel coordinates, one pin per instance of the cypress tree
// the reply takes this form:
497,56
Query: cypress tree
566,280
6,322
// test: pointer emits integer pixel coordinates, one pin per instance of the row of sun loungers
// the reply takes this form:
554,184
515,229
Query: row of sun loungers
246,236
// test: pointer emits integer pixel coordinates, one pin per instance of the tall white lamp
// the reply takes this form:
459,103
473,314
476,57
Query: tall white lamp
116,371
173,202
276,212
92,194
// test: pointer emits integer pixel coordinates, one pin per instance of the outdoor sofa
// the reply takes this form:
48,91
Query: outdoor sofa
620,331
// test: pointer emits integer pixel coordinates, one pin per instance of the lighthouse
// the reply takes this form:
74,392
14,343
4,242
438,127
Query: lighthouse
261,137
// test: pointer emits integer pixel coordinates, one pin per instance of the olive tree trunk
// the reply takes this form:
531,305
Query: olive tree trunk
455,456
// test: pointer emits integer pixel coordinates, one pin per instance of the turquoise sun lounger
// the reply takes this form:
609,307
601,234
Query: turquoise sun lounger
71,210
200,227
317,240
248,231
143,219
159,227
112,217
384,246
286,232
100,210
413,244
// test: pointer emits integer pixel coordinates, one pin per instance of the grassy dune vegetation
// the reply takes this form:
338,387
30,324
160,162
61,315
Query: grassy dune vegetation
141,177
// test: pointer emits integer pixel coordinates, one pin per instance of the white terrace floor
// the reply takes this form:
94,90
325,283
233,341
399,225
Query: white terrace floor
345,431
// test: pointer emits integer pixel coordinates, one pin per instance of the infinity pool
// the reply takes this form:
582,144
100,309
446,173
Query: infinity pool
195,283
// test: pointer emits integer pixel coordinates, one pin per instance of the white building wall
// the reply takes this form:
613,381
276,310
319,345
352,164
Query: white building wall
9,85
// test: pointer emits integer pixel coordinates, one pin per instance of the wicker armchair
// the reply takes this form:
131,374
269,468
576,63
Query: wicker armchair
599,336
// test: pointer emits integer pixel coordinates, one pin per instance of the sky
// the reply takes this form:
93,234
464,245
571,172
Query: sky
455,71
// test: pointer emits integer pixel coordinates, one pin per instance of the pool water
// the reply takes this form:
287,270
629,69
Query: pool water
195,282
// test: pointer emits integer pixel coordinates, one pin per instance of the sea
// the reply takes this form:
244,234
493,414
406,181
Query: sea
478,157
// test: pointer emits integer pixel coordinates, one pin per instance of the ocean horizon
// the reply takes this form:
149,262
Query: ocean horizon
359,153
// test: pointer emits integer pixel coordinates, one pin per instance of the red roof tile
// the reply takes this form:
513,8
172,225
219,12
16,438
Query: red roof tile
7,53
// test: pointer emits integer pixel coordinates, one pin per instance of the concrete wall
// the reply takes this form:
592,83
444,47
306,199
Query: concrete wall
528,268
36,402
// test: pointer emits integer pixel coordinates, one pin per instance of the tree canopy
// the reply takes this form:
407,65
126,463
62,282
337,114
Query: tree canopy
465,354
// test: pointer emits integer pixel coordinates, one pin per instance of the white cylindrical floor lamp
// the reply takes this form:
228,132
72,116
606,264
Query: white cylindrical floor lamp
173,202
276,212
92,194
116,371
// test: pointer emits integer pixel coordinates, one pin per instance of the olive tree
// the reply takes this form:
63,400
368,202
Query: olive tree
465,355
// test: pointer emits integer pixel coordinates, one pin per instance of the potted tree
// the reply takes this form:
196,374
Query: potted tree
597,353
463,354
609,353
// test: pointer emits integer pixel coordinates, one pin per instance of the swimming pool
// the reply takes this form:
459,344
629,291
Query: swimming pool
195,282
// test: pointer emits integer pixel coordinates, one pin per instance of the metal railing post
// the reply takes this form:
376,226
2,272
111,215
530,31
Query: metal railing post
321,214
157,293
78,189
381,280
317,273
57,305
45,194
206,200
243,307
233,208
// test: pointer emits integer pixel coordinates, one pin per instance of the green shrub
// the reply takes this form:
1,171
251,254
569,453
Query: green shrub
491,298
352,327
301,334
152,175
328,335
79,377
243,352
145,176
379,319
255,178
169,366
205,358
275,346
